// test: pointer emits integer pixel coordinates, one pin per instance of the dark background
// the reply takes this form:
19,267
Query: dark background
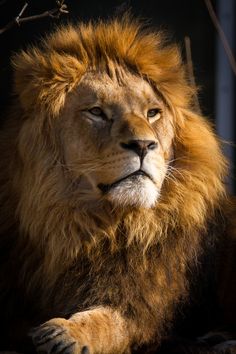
179,17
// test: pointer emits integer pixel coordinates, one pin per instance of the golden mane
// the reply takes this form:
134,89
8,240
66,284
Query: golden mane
31,167
43,78
46,75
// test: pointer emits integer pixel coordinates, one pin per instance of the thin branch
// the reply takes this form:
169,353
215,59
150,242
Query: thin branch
23,10
17,19
189,61
222,35
53,13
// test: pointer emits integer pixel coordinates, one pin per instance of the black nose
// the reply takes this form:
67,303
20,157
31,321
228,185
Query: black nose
141,147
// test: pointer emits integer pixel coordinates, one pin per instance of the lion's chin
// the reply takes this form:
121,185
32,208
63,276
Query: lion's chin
136,191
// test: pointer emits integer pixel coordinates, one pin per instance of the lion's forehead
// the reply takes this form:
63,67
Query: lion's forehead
130,90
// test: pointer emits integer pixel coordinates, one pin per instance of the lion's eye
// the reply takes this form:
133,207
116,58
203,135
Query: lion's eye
154,112
96,111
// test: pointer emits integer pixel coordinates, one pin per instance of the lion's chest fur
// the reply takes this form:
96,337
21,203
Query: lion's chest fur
126,279
144,286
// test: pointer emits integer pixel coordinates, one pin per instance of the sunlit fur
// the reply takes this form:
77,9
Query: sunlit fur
38,203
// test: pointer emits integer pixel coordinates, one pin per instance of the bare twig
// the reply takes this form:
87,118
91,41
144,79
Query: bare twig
17,19
54,13
188,51
221,33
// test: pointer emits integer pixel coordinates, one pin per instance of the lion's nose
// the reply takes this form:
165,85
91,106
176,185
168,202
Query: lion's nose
141,147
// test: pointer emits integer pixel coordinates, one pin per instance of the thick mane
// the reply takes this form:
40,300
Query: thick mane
32,171
49,73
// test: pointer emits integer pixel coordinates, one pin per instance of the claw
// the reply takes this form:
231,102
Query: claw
48,335
62,348
85,350
66,350
56,347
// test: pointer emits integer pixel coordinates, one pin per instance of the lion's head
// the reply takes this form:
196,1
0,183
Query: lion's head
115,129
116,133
104,134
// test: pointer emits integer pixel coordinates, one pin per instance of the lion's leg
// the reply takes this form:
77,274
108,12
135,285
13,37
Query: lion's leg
100,330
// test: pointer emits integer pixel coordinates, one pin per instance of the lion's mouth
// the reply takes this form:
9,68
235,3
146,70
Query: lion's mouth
105,188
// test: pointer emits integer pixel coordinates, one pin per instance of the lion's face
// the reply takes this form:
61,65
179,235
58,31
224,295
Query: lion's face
117,136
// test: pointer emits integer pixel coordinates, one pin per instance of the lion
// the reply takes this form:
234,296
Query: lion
114,210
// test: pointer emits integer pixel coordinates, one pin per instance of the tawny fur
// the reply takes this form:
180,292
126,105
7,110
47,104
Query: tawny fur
133,262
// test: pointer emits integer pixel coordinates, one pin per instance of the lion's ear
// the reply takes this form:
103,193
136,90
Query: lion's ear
42,79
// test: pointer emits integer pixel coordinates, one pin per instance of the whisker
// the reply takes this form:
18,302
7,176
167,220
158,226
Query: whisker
181,158
172,169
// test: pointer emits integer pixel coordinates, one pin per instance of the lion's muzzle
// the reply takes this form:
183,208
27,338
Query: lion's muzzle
140,147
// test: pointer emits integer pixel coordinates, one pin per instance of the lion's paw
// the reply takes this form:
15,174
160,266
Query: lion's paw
58,336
